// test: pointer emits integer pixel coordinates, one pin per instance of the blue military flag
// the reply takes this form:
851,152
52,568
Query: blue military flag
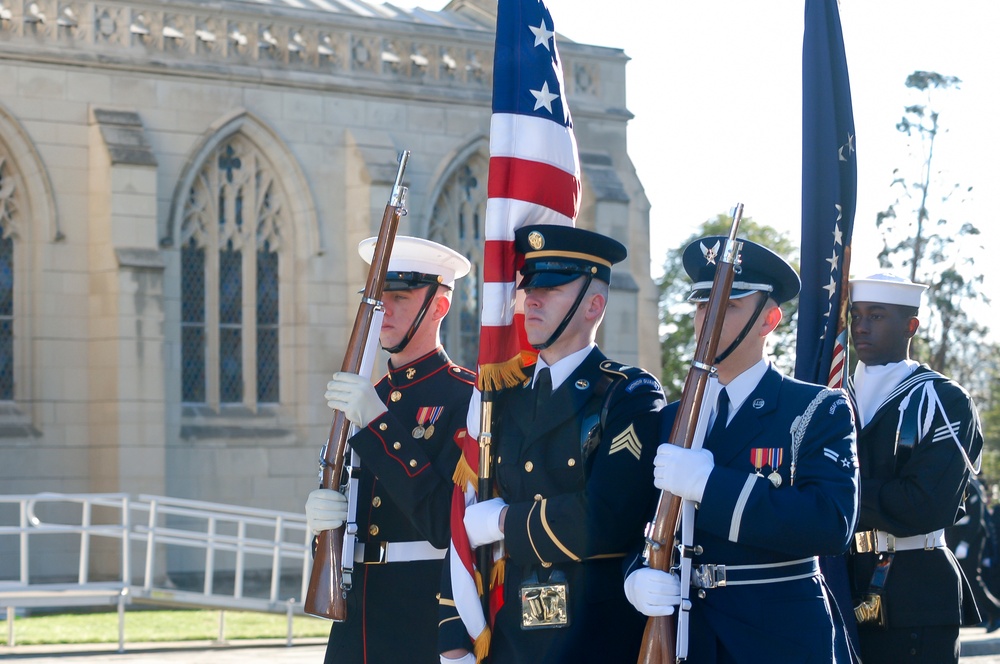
829,196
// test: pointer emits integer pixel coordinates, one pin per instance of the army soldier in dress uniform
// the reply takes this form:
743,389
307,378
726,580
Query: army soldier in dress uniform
569,446
775,483
920,440
409,440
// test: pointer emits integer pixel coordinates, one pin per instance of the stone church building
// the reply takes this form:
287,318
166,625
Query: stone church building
183,186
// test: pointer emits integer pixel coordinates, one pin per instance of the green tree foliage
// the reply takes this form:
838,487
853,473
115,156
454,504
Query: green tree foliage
677,335
926,238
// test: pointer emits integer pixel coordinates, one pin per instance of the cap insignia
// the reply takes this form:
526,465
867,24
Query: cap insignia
536,240
710,254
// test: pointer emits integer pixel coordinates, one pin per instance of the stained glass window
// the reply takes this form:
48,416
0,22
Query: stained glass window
231,242
458,222
8,210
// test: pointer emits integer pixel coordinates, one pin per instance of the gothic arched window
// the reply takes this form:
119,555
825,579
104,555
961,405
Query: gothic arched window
230,248
8,221
458,221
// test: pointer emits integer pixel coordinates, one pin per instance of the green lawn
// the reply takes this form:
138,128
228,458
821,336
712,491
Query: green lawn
158,625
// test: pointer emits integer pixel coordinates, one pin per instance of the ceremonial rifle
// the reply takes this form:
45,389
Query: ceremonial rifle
326,596
659,639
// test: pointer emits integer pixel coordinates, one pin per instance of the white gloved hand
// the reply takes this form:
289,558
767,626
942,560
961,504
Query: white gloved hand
326,509
482,522
682,472
355,397
467,658
653,592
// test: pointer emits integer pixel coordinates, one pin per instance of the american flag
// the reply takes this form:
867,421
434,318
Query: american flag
534,178
829,195
534,175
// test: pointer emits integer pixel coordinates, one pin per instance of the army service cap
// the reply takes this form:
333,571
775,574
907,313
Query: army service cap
416,262
555,255
759,270
887,289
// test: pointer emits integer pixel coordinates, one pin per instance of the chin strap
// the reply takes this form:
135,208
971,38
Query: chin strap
746,330
431,292
569,315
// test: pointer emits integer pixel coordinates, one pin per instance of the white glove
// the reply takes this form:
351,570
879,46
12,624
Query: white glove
653,592
682,472
482,522
326,509
355,397
467,658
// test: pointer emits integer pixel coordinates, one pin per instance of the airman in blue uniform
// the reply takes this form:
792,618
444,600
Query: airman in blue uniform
775,485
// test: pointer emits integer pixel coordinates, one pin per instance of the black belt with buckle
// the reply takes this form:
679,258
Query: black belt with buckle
720,576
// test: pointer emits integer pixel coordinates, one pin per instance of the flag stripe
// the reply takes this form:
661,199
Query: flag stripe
534,139
534,182
505,215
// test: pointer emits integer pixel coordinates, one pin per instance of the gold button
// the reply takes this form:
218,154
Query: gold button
528,466
376,501
413,463
499,460
373,530
538,497
383,426
571,463
396,445
396,395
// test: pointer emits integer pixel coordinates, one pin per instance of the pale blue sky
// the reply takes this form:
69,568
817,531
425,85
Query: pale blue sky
715,86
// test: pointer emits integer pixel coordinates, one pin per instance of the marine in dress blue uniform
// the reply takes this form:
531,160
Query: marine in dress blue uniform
405,453
568,463
775,485
919,441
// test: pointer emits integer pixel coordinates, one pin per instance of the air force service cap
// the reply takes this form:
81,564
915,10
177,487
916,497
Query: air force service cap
416,262
759,270
555,255
887,289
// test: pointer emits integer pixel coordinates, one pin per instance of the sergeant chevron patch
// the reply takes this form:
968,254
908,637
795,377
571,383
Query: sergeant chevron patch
627,440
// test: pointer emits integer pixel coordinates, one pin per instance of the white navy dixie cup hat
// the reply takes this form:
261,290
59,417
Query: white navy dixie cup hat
416,262
887,289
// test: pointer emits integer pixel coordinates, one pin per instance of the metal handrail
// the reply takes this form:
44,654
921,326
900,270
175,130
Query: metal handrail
158,522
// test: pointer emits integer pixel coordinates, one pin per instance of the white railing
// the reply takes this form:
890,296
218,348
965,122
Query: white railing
175,539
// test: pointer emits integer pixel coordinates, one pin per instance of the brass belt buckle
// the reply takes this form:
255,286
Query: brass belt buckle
864,541
543,605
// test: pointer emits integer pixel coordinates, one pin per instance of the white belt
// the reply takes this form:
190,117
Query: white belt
879,541
380,553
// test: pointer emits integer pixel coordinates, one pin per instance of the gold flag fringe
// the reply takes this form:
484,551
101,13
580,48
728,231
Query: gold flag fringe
482,645
497,573
500,376
464,475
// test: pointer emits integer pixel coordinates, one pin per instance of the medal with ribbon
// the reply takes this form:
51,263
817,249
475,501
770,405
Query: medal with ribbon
426,417
767,456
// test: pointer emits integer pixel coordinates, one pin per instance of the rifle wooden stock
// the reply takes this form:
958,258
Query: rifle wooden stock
325,596
659,639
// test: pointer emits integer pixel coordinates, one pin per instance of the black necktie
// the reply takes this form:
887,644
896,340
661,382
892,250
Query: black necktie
721,418
543,390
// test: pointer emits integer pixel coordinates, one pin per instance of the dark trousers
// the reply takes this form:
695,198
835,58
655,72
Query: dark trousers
924,645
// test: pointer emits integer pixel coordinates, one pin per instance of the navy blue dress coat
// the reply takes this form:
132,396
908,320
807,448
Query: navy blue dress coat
746,519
